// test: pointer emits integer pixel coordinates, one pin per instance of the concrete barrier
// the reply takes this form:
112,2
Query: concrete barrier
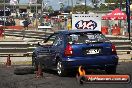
31,38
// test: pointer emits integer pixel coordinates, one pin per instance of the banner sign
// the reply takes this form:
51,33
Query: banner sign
86,21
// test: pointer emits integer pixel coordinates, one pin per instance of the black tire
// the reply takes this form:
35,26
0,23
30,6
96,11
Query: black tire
24,70
60,70
111,70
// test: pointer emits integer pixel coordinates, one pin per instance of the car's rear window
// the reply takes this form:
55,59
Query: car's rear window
81,38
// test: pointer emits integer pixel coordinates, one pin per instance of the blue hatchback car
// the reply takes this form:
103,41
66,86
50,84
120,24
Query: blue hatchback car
66,50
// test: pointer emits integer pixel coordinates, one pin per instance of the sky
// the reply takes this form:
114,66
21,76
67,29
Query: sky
55,3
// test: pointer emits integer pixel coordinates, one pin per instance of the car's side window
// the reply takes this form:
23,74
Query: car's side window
51,40
57,41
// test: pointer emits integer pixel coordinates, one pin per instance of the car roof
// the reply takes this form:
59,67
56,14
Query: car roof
77,31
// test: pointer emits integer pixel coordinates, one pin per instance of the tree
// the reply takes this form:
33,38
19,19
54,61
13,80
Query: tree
6,1
81,8
95,3
118,4
50,9
113,1
39,1
79,2
103,7
61,6
67,9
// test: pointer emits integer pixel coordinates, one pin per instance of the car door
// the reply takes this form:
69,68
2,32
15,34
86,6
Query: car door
50,43
56,49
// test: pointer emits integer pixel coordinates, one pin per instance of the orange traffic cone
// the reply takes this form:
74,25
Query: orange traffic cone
8,63
39,72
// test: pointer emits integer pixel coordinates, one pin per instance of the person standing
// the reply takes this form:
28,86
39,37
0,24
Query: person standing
25,24
69,24
12,22
7,23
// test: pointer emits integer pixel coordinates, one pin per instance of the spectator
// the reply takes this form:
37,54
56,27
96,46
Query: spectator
13,23
25,24
7,23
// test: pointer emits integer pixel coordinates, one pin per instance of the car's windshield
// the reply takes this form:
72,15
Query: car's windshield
79,38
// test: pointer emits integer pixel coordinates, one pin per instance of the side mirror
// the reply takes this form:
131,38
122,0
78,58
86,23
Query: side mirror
39,44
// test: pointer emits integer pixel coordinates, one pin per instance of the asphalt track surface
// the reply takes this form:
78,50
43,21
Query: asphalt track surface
50,80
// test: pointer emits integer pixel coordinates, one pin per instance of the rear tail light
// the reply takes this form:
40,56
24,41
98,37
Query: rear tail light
68,50
113,49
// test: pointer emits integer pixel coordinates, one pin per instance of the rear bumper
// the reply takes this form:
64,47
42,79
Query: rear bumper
95,62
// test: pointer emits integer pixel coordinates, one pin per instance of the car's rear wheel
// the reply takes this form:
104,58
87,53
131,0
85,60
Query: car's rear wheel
111,70
60,70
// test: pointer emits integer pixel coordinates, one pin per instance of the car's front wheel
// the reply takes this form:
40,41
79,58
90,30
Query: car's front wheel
60,70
